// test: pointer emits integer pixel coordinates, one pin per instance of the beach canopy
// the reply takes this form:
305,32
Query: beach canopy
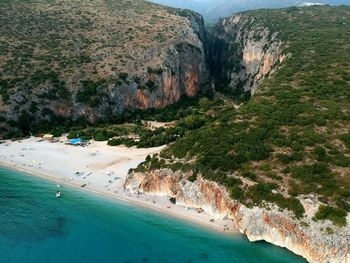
76,141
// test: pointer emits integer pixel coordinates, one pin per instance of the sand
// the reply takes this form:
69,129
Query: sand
98,168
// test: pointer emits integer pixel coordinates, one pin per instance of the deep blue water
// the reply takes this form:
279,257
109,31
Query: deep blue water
80,227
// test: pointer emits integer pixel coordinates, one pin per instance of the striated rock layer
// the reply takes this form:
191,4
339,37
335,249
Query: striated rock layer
243,53
307,239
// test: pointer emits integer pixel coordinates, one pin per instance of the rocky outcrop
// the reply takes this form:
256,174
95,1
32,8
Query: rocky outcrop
304,237
98,60
181,72
243,53
177,70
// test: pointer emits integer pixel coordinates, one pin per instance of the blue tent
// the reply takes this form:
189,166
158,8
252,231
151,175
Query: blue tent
76,141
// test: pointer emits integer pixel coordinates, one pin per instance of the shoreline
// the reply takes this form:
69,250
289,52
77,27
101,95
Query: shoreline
160,204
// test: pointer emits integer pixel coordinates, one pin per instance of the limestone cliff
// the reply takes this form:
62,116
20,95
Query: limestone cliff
304,237
243,53
71,59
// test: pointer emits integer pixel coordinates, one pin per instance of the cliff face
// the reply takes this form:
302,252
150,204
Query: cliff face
272,151
181,69
243,53
183,73
75,59
308,239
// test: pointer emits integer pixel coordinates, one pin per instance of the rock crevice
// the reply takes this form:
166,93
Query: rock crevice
242,53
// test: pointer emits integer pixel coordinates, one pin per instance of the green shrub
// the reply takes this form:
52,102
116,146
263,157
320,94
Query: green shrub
263,191
274,176
336,215
329,230
125,141
297,156
158,70
231,181
114,142
192,178
91,92
151,85
193,122
86,137
100,137
72,135
57,132
236,193
123,76
33,107
137,79
250,175
346,139
283,158
320,153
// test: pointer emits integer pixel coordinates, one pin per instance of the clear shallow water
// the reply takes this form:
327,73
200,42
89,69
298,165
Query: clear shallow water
37,227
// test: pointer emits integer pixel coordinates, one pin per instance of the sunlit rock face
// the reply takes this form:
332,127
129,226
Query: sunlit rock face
281,228
243,53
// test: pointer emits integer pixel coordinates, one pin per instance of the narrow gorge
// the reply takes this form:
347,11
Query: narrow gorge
253,112
241,53
115,72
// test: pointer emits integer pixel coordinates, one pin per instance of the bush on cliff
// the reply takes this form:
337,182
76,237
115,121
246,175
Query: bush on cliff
336,215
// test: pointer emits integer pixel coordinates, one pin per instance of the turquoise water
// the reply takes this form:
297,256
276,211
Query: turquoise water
80,227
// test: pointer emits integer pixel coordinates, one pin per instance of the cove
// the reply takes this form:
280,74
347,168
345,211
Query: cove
83,227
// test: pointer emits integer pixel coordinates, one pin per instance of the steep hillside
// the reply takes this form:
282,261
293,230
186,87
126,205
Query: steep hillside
243,52
278,164
95,59
284,156
299,117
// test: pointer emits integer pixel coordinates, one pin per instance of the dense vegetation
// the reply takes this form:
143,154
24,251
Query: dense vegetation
131,128
70,58
292,137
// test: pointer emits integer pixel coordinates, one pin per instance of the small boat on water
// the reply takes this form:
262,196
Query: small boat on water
58,194
58,185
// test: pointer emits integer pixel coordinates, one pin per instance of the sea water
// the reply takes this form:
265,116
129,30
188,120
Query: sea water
35,226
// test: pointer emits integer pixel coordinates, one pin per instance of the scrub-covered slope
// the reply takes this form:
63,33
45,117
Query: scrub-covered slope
95,58
295,130
286,149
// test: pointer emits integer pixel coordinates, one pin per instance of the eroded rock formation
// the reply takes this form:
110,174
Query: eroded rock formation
304,237
243,53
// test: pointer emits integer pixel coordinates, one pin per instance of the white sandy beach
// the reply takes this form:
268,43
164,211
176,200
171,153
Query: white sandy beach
98,168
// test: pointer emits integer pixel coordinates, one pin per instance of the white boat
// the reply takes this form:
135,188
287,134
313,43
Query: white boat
58,194
58,185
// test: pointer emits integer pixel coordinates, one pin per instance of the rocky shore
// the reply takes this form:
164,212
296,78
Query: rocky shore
311,239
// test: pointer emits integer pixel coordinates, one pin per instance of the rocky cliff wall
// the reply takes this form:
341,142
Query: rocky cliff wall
243,53
179,69
72,59
182,72
304,237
